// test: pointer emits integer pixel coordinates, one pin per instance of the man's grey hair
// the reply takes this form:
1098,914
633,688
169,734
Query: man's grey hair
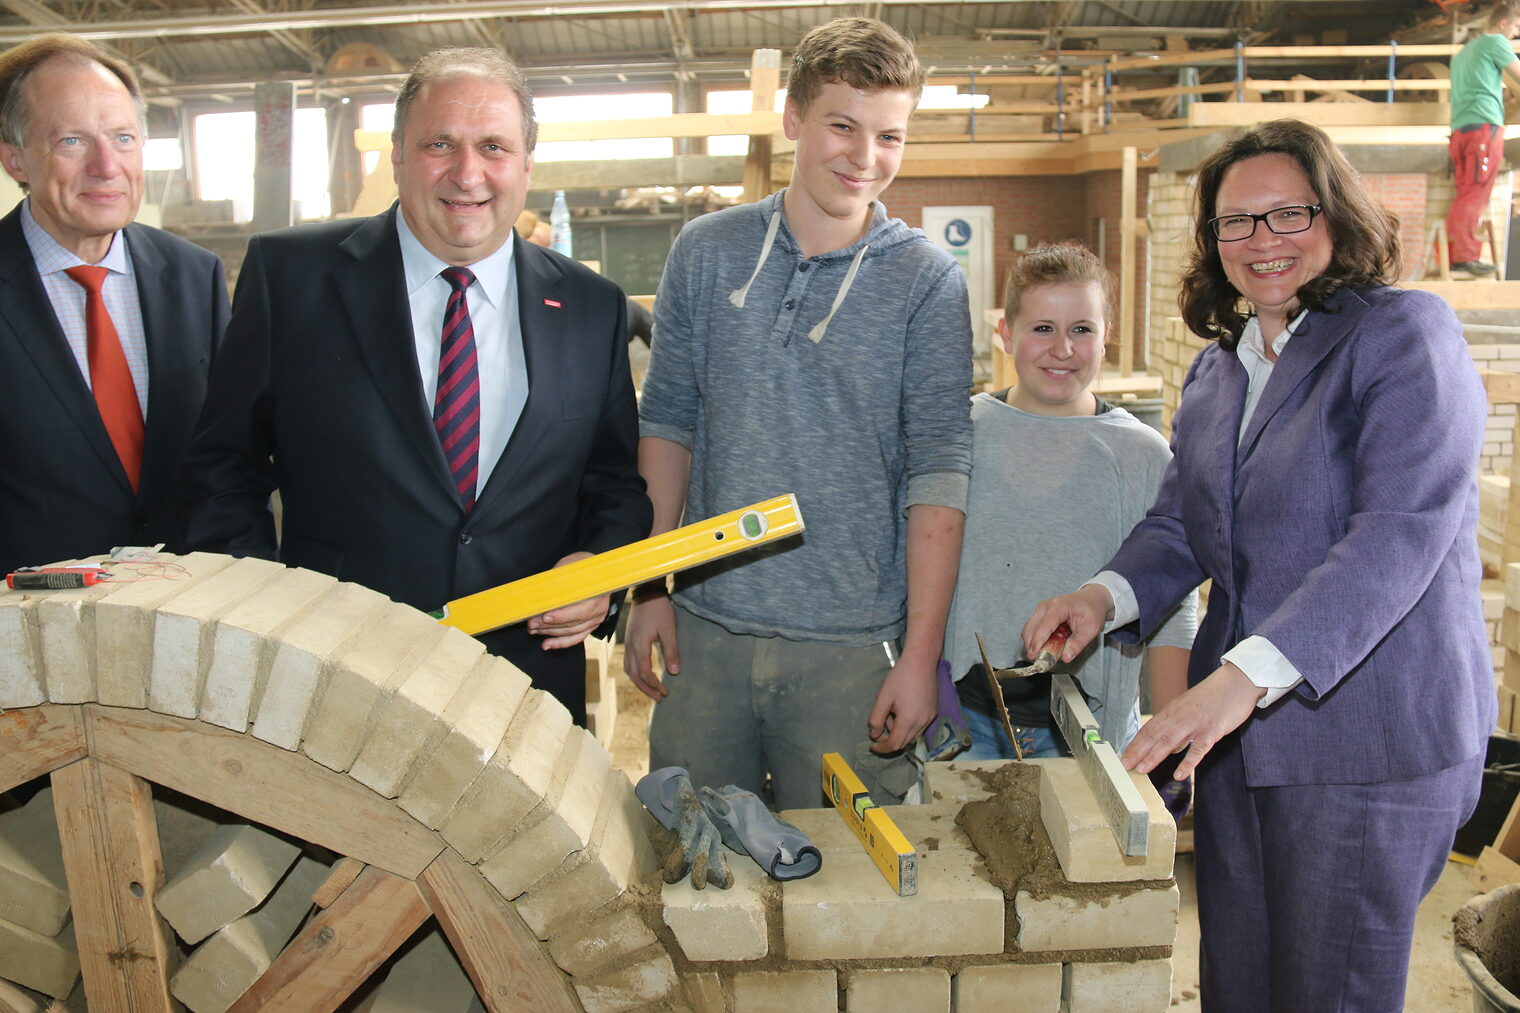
19,63
459,61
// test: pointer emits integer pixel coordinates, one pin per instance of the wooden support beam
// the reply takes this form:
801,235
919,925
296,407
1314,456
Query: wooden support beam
1373,114
510,968
764,80
339,948
676,125
1128,202
344,872
114,870
679,170
263,783
38,740
1473,295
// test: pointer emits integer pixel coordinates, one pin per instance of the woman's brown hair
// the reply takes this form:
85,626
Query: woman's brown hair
1364,235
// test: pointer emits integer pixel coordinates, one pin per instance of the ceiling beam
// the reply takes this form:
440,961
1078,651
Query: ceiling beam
315,61
42,17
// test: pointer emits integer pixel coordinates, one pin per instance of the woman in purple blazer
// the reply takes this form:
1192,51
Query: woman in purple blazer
1341,689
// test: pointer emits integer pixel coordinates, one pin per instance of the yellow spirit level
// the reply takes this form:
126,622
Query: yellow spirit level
624,567
888,848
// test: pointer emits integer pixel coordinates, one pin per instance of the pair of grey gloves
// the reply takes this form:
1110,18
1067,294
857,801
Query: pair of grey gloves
704,820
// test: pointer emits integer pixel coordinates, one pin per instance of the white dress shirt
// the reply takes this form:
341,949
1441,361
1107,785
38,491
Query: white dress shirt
492,300
1256,656
68,299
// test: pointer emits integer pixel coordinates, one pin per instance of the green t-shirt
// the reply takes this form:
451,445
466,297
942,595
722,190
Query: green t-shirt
1477,81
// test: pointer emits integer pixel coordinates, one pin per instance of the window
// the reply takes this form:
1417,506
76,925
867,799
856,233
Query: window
618,106
225,157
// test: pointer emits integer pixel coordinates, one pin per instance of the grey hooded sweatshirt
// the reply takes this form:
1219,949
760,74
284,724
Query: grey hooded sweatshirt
842,378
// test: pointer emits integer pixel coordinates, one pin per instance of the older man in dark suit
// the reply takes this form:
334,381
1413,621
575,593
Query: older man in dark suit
442,406
106,328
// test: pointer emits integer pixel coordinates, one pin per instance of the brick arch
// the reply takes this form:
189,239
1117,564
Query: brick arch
327,712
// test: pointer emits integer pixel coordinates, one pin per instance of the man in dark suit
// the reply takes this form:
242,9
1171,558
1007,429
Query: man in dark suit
107,328
442,406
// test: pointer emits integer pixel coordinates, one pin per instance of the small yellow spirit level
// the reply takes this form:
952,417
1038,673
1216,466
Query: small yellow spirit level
888,848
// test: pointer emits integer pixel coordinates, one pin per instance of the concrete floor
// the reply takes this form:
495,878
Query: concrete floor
1436,983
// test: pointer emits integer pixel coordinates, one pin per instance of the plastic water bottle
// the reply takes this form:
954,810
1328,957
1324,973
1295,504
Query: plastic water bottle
559,225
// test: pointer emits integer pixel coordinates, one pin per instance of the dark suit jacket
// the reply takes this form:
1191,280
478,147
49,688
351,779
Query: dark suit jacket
1343,530
317,393
63,492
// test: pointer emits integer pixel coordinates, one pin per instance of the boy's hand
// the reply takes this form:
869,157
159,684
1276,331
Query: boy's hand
905,705
651,620
1085,611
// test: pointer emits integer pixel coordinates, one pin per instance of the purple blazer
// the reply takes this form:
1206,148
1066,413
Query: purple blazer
1343,529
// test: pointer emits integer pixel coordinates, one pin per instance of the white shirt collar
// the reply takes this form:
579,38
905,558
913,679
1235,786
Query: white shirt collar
1251,341
421,266
52,256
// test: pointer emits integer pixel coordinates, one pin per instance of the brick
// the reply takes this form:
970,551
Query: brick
1080,834
628,988
46,964
1142,918
411,723
516,778
182,633
183,826
784,991
362,678
619,853
1512,583
34,892
959,781
283,699
586,947
231,874
124,626
1010,988
66,632
921,989
534,853
14,1000
1142,987
224,967
928,828
714,924
240,644
1509,629
1510,672
427,979
22,683
476,720
847,911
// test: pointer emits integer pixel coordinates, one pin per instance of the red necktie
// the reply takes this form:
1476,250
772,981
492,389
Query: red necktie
110,379
456,409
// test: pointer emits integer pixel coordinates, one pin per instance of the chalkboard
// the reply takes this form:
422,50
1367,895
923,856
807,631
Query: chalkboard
633,255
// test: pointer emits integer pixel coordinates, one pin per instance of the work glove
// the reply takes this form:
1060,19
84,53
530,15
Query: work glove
669,796
749,828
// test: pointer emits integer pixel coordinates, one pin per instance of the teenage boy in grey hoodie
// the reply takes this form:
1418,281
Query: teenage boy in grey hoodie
808,343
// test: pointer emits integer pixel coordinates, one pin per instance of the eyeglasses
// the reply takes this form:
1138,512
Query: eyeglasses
1284,221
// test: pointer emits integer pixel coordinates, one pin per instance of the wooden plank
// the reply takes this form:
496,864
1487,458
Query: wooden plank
675,125
38,740
1502,387
511,969
1507,841
339,948
1371,114
1128,202
1493,870
764,80
265,784
1473,295
678,170
342,876
114,870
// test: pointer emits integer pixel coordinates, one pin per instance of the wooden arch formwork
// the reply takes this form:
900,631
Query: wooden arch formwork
321,710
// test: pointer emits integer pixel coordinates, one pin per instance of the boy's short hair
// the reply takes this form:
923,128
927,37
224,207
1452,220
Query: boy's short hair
863,53
1502,11
1056,264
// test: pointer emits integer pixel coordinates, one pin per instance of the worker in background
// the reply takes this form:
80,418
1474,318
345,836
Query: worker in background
107,328
443,406
808,343
1478,75
1341,689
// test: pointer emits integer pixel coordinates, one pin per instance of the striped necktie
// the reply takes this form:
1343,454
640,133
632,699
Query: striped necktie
456,409
110,379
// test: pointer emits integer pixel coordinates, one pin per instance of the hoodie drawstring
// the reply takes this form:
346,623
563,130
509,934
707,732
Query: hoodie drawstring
737,295
816,334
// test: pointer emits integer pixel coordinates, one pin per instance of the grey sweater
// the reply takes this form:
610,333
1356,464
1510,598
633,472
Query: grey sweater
1052,498
841,378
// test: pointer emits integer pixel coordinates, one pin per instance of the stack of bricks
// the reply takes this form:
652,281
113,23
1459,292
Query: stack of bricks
959,944
601,691
1499,431
36,936
424,753
1509,651
1493,519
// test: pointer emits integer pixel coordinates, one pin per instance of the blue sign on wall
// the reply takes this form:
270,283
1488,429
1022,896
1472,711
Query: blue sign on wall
957,232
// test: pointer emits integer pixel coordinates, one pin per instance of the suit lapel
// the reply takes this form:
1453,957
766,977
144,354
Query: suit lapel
165,351
28,320
1305,350
543,328
372,287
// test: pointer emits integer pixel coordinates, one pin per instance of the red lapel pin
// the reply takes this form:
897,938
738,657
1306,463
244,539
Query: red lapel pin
552,302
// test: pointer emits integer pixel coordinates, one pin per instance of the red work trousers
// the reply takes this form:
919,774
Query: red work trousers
1475,158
